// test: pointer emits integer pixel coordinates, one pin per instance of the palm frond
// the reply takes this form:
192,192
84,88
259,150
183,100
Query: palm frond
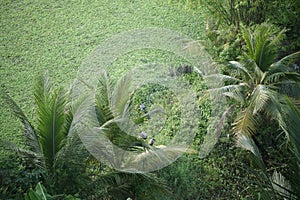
236,95
224,89
247,35
102,109
282,186
289,59
274,78
240,69
104,89
121,95
264,181
260,97
262,44
247,143
51,119
290,88
29,155
222,78
213,136
292,127
245,122
258,74
103,99
29,133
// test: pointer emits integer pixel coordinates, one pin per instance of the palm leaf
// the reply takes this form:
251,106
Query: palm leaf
274,78
260,98
290,88
249,41
236,95
245,122
29,134
262,44
292,118
213,136
104,89
241,70
223,78
282,186
121,95
51,119
31,139
247,143
31,156
285,61
258,74
224,89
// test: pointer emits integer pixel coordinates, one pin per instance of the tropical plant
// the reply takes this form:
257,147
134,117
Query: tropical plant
276,185
54,146
260,83
44,145
44,142
263,88
40,193
113,102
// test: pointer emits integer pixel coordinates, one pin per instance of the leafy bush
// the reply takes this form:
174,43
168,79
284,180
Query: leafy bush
16,176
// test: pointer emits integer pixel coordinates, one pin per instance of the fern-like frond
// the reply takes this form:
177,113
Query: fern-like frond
250,43
222,78
217,92
257,73
274,78
30,156
290,88
240,70
245,122
289,59
104,89
51,119
292,118
247,143
282,186
260,97
236,95
262,44
29,133
121,95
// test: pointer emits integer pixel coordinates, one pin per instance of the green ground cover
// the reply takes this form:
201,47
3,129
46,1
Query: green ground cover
58,35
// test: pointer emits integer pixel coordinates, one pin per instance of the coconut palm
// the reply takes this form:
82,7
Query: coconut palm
113,107
277,185
45,142
259,83
263,87
54,146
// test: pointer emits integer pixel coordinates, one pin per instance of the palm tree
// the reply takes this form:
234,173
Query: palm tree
262,87
44,144
259,83
54,145
114,136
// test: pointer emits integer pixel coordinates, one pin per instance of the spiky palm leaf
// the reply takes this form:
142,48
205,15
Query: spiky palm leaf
29,134
275,186
262,44
112,107
51,128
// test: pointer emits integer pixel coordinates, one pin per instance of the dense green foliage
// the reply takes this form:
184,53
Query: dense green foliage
42,157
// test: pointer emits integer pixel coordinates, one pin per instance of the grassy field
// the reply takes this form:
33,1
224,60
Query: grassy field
58,35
